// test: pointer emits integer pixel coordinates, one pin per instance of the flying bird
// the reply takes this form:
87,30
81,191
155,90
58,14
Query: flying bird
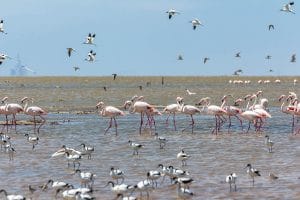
76,68
3,57
205,60
70,50
236,72
114,76
288,7
172,12
238,55
268,57
271,26
1,27
180,57
195,23
293,58
90,39
91,56
271,70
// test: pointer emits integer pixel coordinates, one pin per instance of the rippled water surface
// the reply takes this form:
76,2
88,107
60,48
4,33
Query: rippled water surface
73,120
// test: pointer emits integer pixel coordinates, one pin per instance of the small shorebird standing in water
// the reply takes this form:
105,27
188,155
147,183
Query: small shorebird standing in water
252,172
183,157
135,147
231,179
269,143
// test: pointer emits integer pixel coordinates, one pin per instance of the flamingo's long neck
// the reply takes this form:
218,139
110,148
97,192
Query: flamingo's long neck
224,102
25,107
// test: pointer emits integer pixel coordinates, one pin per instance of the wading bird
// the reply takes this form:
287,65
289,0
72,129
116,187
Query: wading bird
252,172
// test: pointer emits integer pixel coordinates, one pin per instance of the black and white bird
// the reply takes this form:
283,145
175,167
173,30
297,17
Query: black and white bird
162,141
153,175
34,140
117,174
184,182
179,57
91,57
86,178
184,193
252,172
293,58
76,68
12,196
3,57
288,7
75,158
90,39
87,150
135,147
238,55
237,72
144,186
195,23
1,27
269,143
231,180
172,12
69,51
183,157
114,76
271,27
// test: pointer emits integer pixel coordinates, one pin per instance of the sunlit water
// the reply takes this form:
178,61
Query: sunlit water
212,157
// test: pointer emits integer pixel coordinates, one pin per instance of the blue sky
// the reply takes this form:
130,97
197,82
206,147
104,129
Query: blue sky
135,37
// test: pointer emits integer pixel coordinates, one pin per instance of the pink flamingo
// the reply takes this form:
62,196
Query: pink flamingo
136,106
34,111
289,109
217,111
109,111
189,110
12,109
4,112
231,111
173,109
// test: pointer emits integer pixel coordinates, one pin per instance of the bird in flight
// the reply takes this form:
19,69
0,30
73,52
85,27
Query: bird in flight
238,55
195,23
236,72
90,39
91,56
3,57
114,76
76,68
180,57
70,50
205,60
288,7
293,58
268,57
1,27
271,70
271,26
172,12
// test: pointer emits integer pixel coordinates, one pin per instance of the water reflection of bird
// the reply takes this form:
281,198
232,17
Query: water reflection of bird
293,58
114,76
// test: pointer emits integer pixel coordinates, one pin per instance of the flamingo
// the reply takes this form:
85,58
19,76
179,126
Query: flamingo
12,109
109,111
231,111
217,111
138,106
173,109
189,110
34,111
172,12
195,23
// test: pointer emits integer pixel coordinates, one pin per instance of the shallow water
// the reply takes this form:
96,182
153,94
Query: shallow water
212,157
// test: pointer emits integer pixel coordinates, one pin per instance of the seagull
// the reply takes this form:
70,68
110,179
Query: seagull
205,60
288,7
70,49
269,143
293,58
252,172
268,57
1,27
115,76
195,23
91,56
238,55
76,68
180,57
271,26
172,12
90,39
231,179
